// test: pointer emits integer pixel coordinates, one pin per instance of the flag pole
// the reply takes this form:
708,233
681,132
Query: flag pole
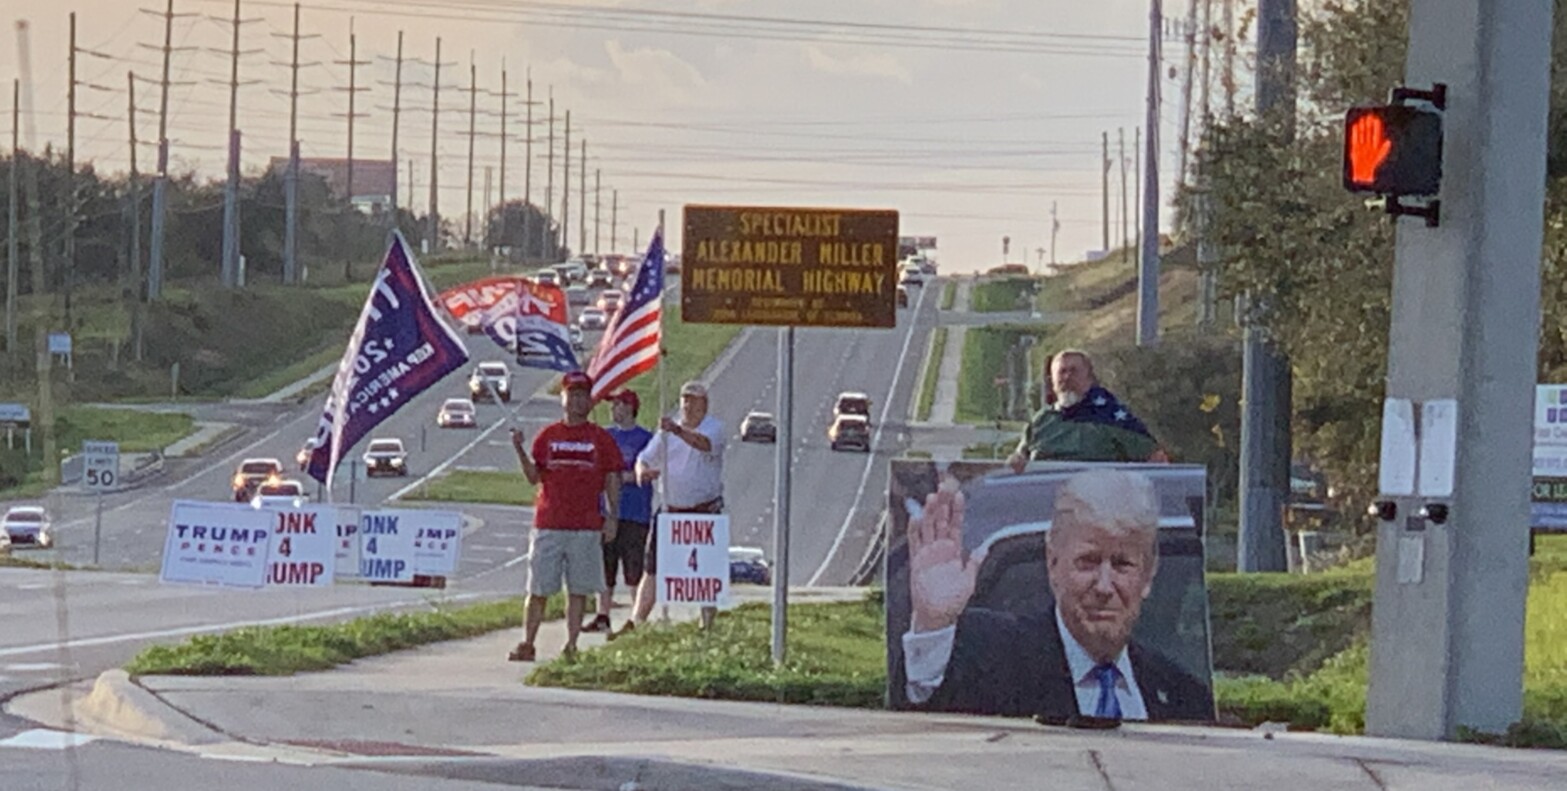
663,399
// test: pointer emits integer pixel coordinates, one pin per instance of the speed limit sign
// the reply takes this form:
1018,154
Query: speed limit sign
100,464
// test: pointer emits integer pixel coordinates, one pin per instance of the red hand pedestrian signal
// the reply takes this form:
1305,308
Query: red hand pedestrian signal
1368,148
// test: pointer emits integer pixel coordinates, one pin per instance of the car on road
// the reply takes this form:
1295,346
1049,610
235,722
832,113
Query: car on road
758,427
252,473
749,565
850,432
912,277
456,413
27,525
283,493
903,296
593,319
547,277
490,380
302,458
578,295
601,278
385,457
575,269
610,300
852,403
575,334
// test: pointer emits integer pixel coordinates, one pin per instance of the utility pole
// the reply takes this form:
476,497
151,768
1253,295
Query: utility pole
160,185
432,218
135,219
353,63
70,176
1447,625
1266,385
12,235
1229,58
527,173
489,171
1207,255
1137,190
1055,227
473,107
597,211
1126,244
500,233
291,177
397,117
549,182
230,268
1186,89
1104,167
614,216
565,188
582,200
1148,270
42,304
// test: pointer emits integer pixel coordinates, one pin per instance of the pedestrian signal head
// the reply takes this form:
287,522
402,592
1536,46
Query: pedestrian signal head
1393,150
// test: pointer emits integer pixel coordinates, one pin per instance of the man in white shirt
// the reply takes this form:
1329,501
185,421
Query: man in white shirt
1101,557
688,454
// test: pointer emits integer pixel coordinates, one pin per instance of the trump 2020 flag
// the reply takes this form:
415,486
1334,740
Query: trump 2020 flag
399,347
525,318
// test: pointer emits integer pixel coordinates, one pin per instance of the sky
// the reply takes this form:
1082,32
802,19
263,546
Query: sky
973,118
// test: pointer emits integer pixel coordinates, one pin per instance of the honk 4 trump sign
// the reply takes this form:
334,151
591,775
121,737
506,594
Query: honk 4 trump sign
693,559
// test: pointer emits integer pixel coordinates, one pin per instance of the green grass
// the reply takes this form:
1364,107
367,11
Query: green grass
949,293
1001,296
927,396
984,358
836,658
690,350
477,486
273,381
136,431
286,650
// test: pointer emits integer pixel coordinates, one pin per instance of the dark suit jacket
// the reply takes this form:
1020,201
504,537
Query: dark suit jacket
1012,665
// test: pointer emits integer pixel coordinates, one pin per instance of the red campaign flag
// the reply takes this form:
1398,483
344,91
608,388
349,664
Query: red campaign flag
630,346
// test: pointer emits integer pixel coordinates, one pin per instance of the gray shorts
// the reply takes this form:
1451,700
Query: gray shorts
575,557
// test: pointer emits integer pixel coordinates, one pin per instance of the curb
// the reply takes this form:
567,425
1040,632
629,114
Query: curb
609,773
120,706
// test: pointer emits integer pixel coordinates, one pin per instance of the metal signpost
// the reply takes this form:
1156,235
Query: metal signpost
788,267
100,473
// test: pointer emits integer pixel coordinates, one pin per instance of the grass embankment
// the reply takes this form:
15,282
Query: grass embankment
1002,296
477,486
984,359
286,650
135,431
927,396
949,293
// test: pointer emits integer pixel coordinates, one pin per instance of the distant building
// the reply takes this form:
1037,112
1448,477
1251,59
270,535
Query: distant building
374,179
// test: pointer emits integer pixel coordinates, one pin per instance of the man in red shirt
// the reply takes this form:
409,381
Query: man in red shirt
574,463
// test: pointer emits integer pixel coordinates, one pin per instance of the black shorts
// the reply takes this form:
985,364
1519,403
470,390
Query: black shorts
650,563
626,552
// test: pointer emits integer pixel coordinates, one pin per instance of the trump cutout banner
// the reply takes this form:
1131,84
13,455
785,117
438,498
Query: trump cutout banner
399,347
525,318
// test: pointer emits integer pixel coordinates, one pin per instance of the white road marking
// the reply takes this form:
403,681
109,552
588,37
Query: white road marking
886,407
44,739
31,667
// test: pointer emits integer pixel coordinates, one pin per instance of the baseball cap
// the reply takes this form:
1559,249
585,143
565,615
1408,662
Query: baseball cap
694,388
629,398
576,379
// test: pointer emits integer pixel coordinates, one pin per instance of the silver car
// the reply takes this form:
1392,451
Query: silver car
27,525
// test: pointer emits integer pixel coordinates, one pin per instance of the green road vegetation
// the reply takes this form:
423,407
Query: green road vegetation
286,650
477,486
985,349
949,294
21,475
927,395
1002,295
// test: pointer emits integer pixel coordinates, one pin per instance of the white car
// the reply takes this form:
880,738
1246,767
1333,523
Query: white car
456,413
610,300
285,494
593,319
26,525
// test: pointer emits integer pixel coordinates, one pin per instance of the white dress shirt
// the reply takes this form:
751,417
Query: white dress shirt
926,654
693,477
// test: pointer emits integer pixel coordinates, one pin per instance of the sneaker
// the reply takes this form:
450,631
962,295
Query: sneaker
598,624
625,629
524,652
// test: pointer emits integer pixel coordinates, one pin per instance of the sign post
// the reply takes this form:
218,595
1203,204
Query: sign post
101,472
788,267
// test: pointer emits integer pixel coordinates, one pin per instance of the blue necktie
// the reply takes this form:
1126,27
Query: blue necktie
1109,706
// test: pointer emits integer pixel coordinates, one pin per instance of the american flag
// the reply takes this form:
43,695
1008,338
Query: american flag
631,344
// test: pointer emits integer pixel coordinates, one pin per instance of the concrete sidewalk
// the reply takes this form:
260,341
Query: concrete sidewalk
459,710
943,408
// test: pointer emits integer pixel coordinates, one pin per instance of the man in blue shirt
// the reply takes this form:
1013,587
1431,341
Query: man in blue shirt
636,508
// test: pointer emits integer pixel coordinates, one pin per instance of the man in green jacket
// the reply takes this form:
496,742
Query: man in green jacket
1085,423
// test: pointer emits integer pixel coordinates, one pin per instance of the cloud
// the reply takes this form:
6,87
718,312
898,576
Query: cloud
863,65
671,79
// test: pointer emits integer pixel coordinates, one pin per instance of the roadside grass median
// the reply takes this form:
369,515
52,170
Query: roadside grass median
286,650
477,486
136,431
985,358
927,396
949,293
1002,296
836,658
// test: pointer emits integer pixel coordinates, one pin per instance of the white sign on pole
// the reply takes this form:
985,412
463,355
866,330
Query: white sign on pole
100,464
386,545
438,542
347,542
222,544
1548,506
693,559
304,546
